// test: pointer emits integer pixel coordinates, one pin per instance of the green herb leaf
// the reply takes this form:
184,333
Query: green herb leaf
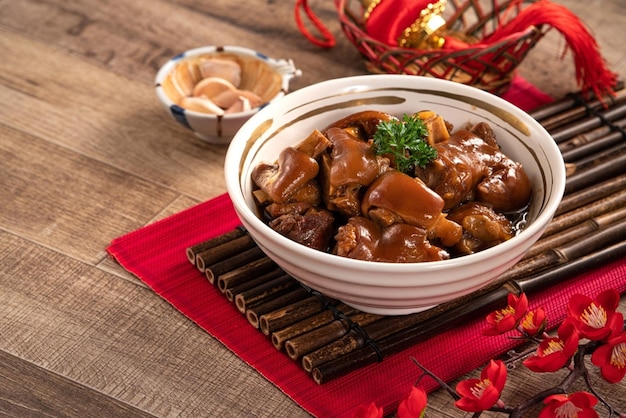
404,141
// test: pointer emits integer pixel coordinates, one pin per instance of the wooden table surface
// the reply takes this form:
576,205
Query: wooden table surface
87,154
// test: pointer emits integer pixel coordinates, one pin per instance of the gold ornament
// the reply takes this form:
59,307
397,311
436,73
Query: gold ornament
369,6
425,32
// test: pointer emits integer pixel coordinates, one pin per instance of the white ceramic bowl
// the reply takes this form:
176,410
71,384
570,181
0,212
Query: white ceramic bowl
393,288
265,76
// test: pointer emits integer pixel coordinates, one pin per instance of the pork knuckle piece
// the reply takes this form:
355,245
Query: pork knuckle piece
411,200
482,227
363,239
313,229
363,124
292,171
351,164
470,167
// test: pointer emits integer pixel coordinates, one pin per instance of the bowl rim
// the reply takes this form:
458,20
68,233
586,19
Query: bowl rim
249,218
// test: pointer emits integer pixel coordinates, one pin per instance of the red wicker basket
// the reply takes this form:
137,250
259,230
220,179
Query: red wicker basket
486,66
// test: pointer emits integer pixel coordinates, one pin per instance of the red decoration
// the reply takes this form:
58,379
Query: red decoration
611,357
593,317
507,318
480,394
327,40
386,21
579,404
554,353
389,18
592,72
414,405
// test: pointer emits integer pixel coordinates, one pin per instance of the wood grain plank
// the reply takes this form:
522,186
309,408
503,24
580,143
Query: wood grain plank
70,202
106,117
41,392
103,33
109,265
120,340
163,29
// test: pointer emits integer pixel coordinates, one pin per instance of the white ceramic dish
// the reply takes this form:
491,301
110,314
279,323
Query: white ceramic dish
393,288
265,76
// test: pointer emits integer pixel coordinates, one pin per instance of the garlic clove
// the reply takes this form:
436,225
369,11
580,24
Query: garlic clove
222,68
211,87
183,80
241,104
201,104
254,99
226,98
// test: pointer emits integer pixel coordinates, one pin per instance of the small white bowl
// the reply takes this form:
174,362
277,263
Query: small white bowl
267,77
393,288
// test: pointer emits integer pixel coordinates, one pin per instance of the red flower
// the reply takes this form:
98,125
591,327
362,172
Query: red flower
553,353
592,316
507,318
481,394
368,411
415,405
576,405
534,322
611,357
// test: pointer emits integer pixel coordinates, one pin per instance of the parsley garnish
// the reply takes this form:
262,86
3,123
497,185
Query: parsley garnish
404,141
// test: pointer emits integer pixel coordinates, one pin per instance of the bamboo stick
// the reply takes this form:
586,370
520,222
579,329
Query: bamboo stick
584,138
404,338
297,295
261,293
348,343
590,194
319,337
306,343
569,131
604,158
223,251
576,232
569,251
612,202
194,250
357,338
574,101
213,271
577,110
597,140
600,257
287,315
599,167
232,291
245,273
325,317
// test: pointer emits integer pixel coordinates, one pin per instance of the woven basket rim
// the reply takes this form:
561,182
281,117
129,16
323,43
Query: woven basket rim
346,20
488,66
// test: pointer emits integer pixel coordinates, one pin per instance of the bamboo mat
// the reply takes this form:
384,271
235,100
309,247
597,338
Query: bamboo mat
166,269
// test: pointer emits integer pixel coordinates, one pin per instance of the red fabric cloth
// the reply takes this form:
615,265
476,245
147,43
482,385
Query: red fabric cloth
525,95
156,255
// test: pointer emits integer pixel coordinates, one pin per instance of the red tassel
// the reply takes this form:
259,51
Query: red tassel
592,72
